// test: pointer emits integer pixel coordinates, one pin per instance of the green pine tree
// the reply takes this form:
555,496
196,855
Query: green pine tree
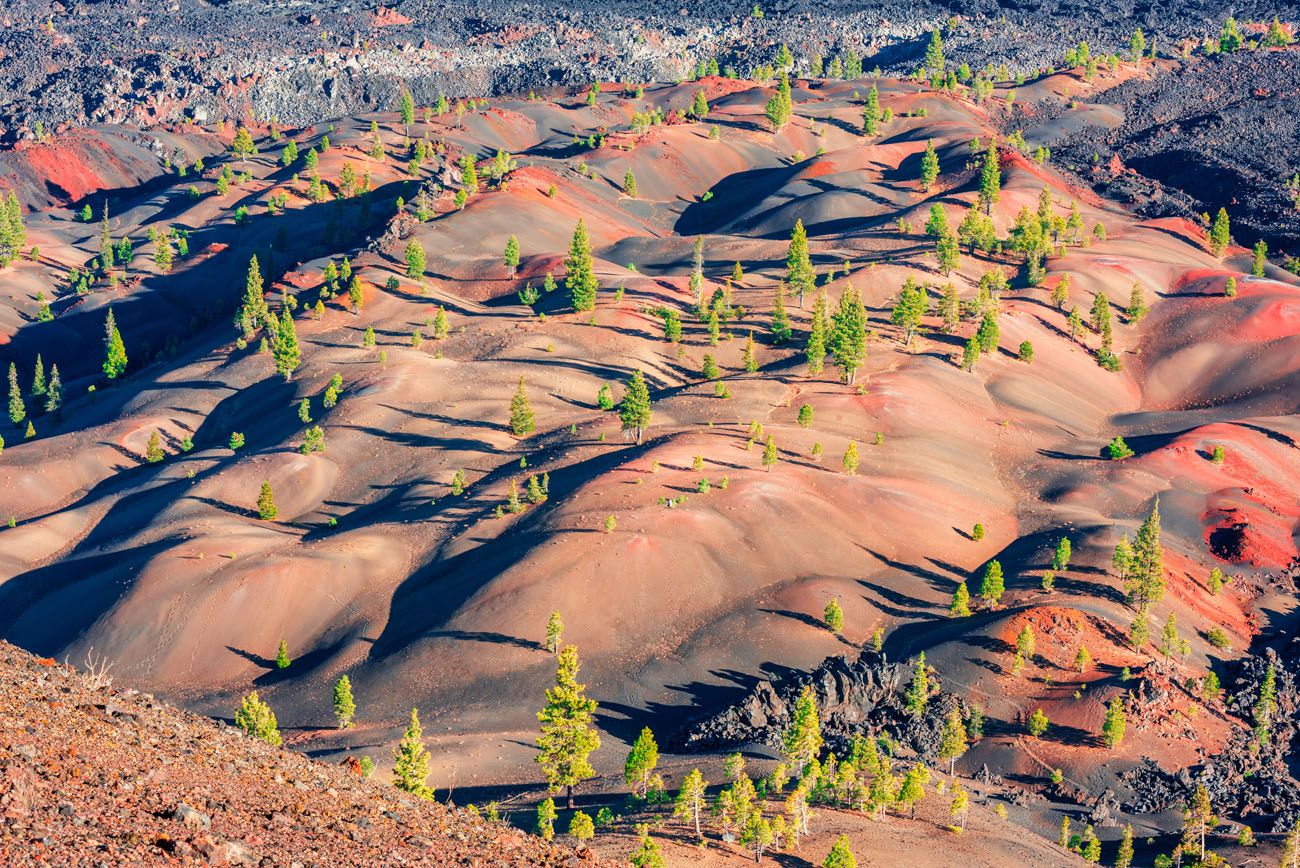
929,166
992,587
266,503
780,329
284,347
1220,233
918,692
848,337
579,270
282,660
802,740
345,708
17,407
871,113
841,854
522,421
634,410
799,271
415,260
255,718
990,179
960,606
411,761
641,762
114,349
567,738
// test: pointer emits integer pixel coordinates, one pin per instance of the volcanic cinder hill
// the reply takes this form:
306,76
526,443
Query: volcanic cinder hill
419,545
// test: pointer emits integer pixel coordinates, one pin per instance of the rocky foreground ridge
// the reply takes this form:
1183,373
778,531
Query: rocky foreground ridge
91,774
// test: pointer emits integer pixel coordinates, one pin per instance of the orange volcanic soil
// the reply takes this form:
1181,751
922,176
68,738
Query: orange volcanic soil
375,568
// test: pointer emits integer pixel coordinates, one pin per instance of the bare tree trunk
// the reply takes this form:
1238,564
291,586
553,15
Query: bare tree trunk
570,797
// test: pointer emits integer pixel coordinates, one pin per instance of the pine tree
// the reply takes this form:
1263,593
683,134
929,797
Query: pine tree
1061,557
1277,35
700,107
38,380
282,659
918,692
871,113
1061,292
17,408
1198,822
848,336
780,108
833,616
114,350
634,410
802,740
344,706
960,805
243,147
1038,723
1220,233
581,827
798,265
54,391
780,328
567,738
1265,705
641,762
257,719
406,107
554,630
1112,729
850,463
988,333
912,789
1259,257
970,354
690,801
411,760
629,184
579,270
648,855
1025,644
1169,643
153,451
266,503
1124,856
521,413
934,59
817,335
1145,573
947,252
990,179
253,313
511,257
992,587
929,166
841,855
415,260
748,358
908,311
1291,848
546,819
960,606
770,455
284,347
953,742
